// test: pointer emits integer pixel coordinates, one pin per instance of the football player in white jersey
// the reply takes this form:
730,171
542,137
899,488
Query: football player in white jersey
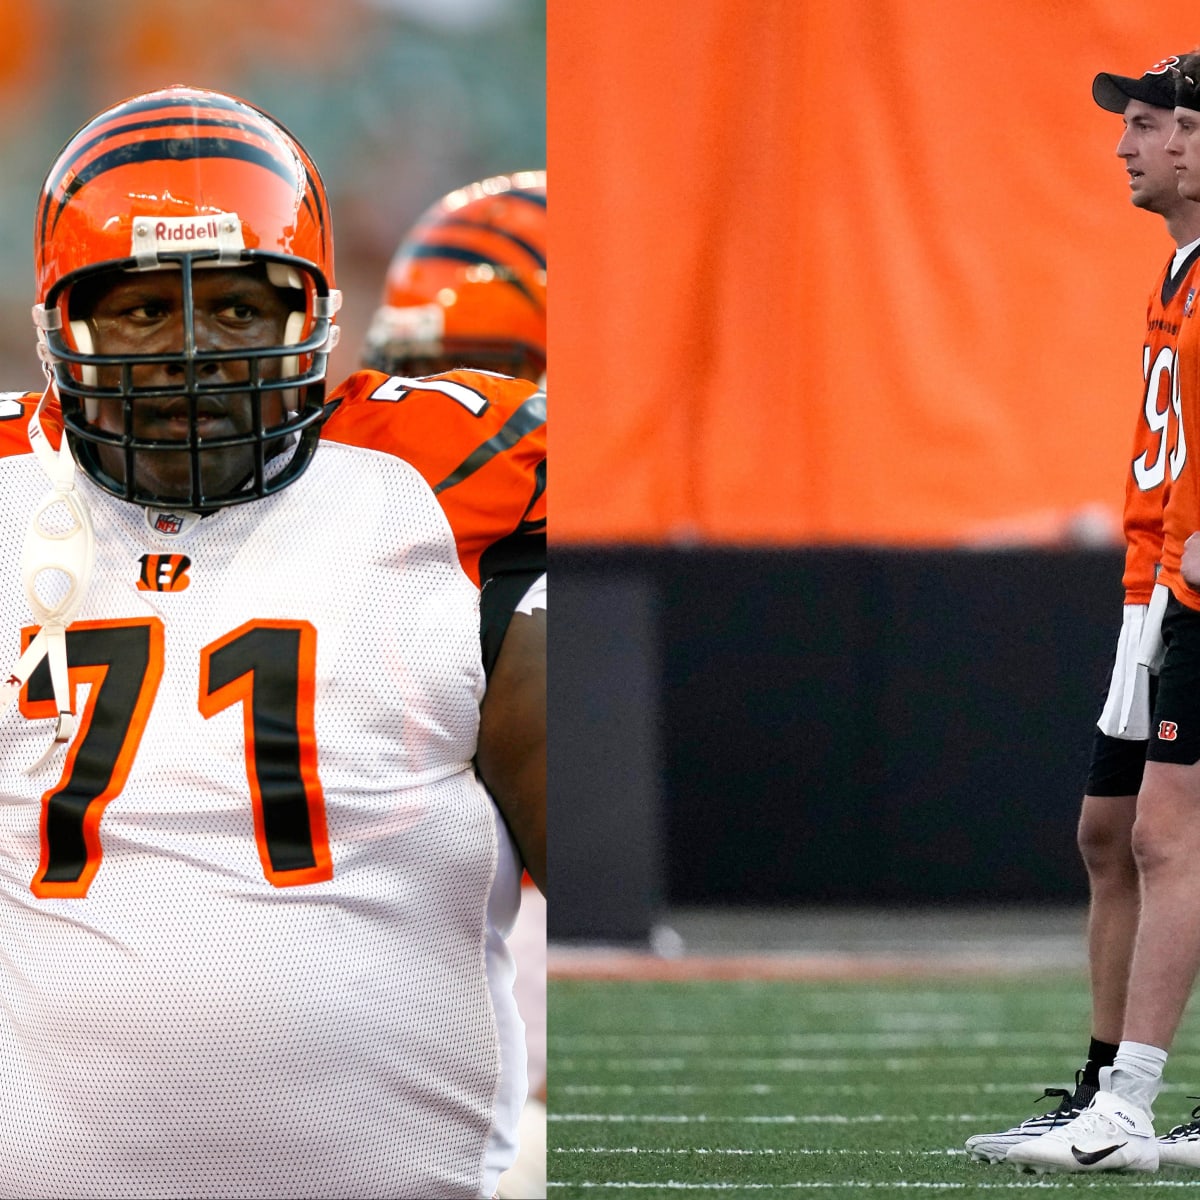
253,888
467,287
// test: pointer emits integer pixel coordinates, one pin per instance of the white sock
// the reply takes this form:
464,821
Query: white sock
1136,1074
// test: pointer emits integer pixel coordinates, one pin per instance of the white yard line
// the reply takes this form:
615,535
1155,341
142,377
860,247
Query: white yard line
942,1037
965,1063
741,1152
578,1118
886,1185
1030,1089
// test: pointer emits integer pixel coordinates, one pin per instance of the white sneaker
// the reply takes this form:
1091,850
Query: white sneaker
1181,1147
994,1147
1109,1135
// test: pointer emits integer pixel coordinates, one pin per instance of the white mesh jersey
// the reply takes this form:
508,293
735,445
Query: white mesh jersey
251,922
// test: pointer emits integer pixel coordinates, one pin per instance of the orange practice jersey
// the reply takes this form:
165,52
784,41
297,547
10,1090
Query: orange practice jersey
15,410
478,439
1181,517
1158,448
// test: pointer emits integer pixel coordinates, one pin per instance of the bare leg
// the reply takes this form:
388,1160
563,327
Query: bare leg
1166,957
1105,843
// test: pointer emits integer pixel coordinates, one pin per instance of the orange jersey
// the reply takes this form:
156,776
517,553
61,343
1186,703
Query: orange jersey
1158,448
1181,517
15,410
478,440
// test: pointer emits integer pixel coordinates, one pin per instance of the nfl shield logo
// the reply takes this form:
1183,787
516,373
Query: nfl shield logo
1189,302
168,523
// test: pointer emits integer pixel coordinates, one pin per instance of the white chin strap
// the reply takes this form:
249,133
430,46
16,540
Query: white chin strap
60,544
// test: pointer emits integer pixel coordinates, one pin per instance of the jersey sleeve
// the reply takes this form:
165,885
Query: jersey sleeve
15,410
479,441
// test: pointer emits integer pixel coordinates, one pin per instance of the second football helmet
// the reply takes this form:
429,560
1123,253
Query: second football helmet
186,179
467,286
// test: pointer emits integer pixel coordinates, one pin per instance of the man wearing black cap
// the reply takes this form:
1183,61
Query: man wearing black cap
1106,819
1116,1131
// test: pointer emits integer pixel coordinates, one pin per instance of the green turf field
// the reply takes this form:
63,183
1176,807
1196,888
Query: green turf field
835,1089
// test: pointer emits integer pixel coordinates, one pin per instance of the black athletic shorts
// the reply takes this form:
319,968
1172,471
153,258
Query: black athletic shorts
1175,725
1117,764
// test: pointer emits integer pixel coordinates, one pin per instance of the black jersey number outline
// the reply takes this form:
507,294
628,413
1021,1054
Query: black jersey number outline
269,667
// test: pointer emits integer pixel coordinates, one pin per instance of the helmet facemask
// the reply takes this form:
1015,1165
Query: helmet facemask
244,419
176,404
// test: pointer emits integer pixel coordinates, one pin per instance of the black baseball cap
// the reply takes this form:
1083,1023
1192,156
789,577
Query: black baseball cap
1156,86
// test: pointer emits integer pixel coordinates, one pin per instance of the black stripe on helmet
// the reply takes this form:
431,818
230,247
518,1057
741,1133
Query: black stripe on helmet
483,227
65,167
155,101
538,198
267,130
504,272
164,150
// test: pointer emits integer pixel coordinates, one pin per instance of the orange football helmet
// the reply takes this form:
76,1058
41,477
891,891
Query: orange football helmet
184,178
467,286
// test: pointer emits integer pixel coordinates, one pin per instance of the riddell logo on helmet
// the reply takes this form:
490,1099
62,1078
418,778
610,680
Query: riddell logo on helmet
187,231
215,231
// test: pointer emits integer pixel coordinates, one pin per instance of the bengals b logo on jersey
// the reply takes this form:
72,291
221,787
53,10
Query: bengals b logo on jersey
164,573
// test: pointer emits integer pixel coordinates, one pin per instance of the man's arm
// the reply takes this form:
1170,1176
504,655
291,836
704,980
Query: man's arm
512,738
1189,564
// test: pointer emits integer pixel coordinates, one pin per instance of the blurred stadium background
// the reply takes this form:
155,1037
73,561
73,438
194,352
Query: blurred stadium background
399,102
849,301
848,306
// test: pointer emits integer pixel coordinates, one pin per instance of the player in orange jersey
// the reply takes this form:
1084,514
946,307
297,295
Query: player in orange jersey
1119,747
1117,1131
467,286
263,808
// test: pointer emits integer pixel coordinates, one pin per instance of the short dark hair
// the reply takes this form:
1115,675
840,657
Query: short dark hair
1187,81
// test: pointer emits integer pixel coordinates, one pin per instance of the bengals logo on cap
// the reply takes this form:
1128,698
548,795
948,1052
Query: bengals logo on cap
1164,65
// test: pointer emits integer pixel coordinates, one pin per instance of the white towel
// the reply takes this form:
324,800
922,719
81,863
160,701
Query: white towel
1126,712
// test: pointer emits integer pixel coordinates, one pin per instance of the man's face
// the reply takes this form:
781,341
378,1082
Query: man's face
142,313
1143,150
1184,151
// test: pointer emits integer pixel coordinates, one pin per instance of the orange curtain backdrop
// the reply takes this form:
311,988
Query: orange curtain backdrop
845,270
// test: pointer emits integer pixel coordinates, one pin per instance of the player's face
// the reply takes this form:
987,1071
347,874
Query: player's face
1184,150
1142,148
235,308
